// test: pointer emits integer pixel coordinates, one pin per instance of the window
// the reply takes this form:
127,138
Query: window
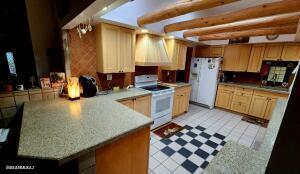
11,63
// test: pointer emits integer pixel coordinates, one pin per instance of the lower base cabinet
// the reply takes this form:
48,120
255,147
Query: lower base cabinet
181,101
139,104
255,103
128,155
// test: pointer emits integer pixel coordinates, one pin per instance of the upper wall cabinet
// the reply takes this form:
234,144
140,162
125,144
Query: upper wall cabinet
210,51
291,52
115,49
236,57
273,51
255,61
177,54
151,50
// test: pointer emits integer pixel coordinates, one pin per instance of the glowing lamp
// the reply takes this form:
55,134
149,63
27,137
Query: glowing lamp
73,88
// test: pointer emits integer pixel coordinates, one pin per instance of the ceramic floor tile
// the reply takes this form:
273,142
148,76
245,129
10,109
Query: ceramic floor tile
161,170
160,156
170,164
153,163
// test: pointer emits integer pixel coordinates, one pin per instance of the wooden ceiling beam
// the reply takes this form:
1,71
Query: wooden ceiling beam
297,37
269,9
180,8
273,21
256,32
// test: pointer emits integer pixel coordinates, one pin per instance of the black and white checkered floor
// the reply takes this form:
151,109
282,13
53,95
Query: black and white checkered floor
205,133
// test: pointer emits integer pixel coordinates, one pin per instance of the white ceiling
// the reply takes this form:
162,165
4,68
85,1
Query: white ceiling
130,11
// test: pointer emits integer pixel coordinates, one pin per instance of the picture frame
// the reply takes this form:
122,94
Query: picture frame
57,79
45,83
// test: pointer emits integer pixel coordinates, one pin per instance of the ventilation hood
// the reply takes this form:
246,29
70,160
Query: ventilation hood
151,50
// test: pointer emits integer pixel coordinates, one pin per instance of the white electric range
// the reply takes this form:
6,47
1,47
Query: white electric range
162,99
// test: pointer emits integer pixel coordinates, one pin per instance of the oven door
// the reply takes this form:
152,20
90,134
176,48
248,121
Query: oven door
162,104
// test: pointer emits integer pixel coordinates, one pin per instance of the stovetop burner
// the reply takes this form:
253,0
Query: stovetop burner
155,88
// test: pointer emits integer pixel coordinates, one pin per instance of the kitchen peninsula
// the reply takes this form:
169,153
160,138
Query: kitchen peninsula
63,130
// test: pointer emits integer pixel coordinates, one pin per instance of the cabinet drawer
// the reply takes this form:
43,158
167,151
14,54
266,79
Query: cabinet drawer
20,99
269,94
240,107
17,93
35,97
6,94
7,102
35,91
241,97
244,90
182,90
226,87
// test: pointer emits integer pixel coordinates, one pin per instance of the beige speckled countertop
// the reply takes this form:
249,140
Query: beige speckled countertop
257,87
62,130
235,158
176,85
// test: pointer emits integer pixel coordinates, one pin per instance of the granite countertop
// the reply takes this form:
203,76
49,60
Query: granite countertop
63,130
176,84
257,87
235,158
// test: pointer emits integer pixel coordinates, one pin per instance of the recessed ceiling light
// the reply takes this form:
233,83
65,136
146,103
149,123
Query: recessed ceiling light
144,31
104,8
171,37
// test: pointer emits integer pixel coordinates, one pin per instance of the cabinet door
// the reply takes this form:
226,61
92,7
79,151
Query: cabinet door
240,107
182,56
202,51
291,52
128,103
257,54
273,51
20,99
176,104
230,59
143,105
224,99
258,106
269,109
127,48
110,48
216,51
173,50
184,100
243,58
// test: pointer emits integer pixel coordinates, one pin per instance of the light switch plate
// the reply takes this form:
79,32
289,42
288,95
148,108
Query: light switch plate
109,77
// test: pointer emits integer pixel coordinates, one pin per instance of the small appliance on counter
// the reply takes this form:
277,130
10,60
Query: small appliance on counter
88,85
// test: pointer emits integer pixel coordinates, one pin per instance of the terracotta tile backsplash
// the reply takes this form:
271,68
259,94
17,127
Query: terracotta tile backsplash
83,61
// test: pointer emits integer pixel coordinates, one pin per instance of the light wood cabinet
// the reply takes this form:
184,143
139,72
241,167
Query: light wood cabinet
236,57
202,51
181,101
258,106
115,48
224,98
256,57
177,53
216,51
139,104
143,105
127,155
273,51
256,103
291,52
210,51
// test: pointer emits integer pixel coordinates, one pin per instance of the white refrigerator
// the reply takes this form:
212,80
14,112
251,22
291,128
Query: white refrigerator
204,80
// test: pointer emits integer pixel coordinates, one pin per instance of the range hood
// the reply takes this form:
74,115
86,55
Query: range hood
151,50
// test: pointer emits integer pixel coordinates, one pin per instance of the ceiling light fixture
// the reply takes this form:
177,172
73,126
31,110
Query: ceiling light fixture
104,8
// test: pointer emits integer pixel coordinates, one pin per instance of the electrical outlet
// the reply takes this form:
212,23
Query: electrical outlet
109,77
